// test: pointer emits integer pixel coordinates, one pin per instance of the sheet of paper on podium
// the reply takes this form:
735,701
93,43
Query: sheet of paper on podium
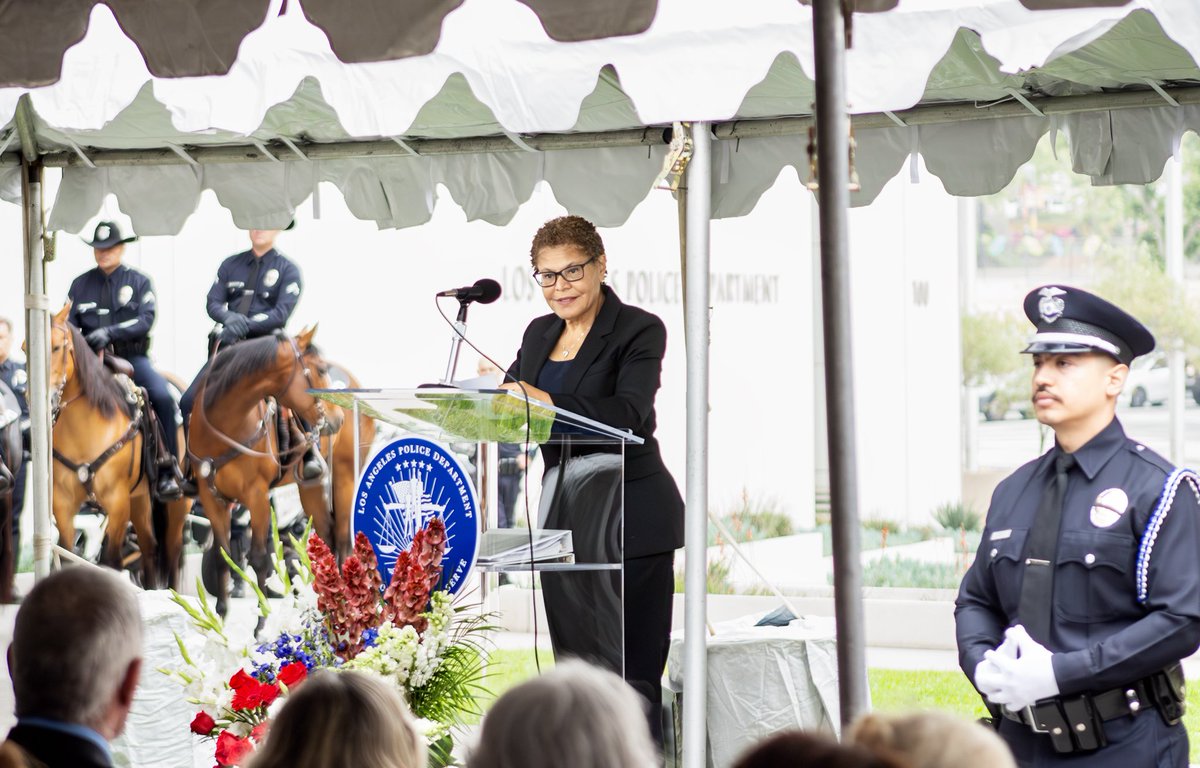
510,546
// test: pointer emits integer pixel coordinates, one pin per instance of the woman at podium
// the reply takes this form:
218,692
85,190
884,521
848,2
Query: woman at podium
601,358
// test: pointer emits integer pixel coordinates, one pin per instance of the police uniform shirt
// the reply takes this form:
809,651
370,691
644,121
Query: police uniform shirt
1101,634
123,302
276,290
13,374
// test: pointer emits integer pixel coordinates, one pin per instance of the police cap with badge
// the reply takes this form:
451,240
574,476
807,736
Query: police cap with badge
1070,320
107,235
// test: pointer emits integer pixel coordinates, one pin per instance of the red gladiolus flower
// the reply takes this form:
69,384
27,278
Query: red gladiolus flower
267,693
231,750
291,674
203,723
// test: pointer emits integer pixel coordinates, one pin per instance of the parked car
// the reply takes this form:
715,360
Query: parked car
1149,381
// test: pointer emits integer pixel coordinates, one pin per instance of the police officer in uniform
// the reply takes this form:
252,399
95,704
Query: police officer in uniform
253,295
114,306
1085,592
13,374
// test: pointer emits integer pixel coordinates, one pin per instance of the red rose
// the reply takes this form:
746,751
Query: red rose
203,724
231,749
259,730
241,680
291,674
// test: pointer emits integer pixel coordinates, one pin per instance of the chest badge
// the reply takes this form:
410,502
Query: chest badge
270,278
1108,507
125,294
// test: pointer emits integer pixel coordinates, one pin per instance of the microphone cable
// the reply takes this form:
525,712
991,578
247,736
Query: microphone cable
525,476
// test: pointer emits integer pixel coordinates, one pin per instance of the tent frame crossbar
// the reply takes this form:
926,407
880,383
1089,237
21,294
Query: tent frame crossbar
650,136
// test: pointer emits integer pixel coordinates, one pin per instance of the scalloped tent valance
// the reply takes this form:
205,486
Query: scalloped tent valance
499,105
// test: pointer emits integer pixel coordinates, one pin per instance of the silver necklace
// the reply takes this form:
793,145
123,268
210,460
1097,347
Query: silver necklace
578,339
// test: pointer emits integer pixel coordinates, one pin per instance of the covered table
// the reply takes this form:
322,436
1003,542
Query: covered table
762,680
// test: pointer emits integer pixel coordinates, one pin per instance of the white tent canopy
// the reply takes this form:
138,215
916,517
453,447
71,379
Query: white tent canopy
929,77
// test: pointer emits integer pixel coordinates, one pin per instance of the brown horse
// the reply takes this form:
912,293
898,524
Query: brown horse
98,445
339,450
234,445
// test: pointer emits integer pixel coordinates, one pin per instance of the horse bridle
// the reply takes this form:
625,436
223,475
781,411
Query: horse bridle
311,436
56,393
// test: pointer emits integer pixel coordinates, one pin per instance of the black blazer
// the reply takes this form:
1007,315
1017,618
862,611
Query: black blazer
613,380
56,749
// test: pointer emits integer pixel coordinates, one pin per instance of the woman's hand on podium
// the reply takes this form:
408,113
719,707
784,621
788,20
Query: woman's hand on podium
530,391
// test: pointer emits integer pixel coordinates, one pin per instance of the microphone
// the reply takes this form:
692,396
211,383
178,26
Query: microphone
484,291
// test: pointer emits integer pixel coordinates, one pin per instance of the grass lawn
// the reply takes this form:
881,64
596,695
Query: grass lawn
891,690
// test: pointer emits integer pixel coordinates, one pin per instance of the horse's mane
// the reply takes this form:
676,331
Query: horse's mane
99,386
235,363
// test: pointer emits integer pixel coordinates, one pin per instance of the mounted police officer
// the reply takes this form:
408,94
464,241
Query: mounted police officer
12,373
113,306
253,295
1085,592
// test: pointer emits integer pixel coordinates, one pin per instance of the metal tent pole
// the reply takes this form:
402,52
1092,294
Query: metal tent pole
834,198
696,329
37,328
37,334
1173,227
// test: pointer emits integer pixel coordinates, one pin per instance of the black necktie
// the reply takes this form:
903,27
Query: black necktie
251,287
1037,587
108,301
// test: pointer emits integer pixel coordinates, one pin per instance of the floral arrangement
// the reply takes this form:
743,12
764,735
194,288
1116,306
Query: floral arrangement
329,618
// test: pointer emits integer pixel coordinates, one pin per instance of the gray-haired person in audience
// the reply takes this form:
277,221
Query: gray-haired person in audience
931,740
343,718
75,660
575,714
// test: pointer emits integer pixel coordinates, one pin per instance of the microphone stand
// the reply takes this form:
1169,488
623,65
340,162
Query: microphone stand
460,330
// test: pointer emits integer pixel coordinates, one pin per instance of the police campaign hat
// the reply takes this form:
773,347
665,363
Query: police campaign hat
107,235
1071,320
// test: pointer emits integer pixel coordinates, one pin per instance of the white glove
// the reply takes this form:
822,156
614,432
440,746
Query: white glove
1017,683
987,675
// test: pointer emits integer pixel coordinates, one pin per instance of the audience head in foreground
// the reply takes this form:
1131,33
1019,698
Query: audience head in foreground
932,740
812,750
75,660
574,714
343,718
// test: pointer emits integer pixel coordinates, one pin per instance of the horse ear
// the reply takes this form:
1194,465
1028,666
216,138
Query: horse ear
61,317
306,336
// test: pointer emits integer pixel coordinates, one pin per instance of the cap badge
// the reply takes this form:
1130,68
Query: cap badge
1051,306
102,232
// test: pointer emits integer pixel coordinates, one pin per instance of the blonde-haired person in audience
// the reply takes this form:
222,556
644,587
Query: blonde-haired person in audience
574,715
812,750
343,718
932,740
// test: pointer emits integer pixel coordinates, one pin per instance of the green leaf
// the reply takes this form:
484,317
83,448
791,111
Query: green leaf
264,608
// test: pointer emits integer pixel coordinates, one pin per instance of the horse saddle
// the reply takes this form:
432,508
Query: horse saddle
118,365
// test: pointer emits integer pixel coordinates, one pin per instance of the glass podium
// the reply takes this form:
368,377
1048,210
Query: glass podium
573,541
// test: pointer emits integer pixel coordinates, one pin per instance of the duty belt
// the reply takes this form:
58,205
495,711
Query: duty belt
1076,723
131,348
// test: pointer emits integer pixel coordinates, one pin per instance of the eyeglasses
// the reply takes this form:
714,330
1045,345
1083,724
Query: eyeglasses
571,274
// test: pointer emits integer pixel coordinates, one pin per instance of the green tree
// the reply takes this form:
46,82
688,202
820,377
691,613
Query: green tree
990,343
